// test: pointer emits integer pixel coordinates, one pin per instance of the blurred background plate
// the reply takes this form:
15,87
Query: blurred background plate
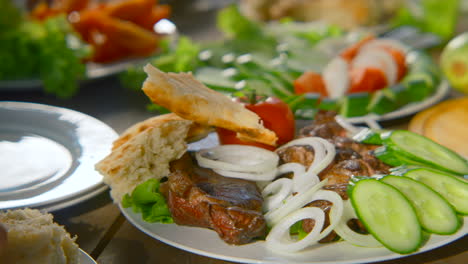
47,155
441,93
94,71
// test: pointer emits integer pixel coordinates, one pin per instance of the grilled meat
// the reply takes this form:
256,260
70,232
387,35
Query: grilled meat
352,159
200,197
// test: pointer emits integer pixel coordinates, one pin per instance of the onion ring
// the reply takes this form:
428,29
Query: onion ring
279,238
238,158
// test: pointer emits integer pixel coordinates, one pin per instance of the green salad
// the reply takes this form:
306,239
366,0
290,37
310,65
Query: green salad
50,51
269,58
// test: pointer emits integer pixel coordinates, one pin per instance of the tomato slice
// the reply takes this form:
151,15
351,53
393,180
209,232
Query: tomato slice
275,115
227,137
310,82
367,80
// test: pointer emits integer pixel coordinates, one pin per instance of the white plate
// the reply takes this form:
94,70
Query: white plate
189,238
85,258
47,155
410,109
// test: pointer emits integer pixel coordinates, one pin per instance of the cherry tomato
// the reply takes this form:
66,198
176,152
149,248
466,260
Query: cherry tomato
276,116
310,82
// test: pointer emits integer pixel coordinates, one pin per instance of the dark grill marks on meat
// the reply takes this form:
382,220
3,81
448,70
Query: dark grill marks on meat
200,197
324,126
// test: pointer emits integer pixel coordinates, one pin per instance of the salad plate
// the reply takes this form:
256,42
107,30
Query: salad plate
47,155
441,92
188,239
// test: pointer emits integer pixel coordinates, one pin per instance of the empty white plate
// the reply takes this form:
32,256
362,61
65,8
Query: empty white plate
47,155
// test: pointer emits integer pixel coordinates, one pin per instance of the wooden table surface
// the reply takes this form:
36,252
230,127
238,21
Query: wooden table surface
102,230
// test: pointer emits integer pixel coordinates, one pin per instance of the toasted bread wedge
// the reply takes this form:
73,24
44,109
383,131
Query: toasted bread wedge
182,94
144,151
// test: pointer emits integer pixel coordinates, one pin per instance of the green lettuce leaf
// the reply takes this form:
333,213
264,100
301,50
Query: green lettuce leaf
147,200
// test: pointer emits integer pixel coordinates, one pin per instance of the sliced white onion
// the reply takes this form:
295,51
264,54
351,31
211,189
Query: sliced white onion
251,176
377,58
324,151
329,157
336,210
385,42
352,129
279,239
275,192
239,158
371,121
302,179
292,203
305,181
336,77
349,235
293,167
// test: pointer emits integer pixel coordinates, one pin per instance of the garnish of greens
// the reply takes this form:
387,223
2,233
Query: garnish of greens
48,50
434,16
147,200
269,57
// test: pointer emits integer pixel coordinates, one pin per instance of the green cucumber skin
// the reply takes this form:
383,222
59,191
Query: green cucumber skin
434,179
419,193
360,186
406,154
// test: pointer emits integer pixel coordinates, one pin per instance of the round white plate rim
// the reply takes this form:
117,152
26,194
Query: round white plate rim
85,258
148,228
61,204
84,193
442,90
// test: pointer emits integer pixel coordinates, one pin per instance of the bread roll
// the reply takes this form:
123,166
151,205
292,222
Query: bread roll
33,238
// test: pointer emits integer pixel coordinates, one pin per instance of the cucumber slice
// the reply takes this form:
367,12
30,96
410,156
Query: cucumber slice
387,214
369,136
414,147
418,90
382,103
452,188
435,214
355,104
392,157
329,104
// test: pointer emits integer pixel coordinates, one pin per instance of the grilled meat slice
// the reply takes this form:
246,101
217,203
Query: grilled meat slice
324,126
200,197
